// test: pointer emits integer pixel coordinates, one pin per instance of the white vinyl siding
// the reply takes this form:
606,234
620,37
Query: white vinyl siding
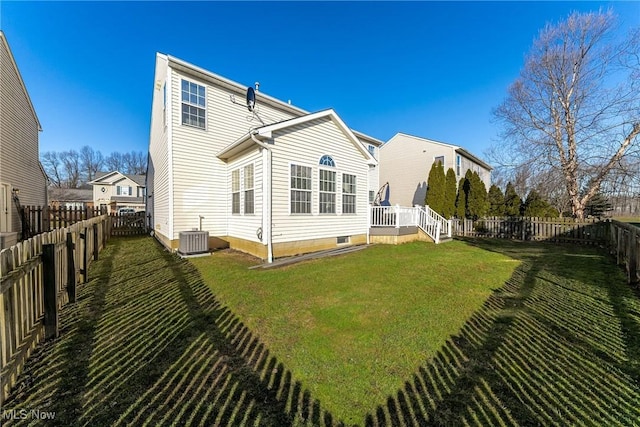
199,177
247,225
301,180
19,158
307,143
159,169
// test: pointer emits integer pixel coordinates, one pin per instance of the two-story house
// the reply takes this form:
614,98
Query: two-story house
22,178
405,162
115,191
259,174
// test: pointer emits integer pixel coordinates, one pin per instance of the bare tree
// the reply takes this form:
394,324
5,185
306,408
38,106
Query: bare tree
135,162
71,166
575,109
53,167
115,162
91,162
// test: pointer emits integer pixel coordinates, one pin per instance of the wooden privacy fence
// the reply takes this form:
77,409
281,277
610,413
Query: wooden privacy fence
37,277
624,243
39,219
588,231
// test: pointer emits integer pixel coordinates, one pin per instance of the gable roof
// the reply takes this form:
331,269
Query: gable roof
115,176
70,194
3,39
456,148
266,132
218,80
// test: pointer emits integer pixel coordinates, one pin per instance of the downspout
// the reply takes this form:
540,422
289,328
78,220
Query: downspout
266,196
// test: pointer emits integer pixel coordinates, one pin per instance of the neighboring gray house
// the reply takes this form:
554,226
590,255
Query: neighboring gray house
22,179
71,198
405,162
114,191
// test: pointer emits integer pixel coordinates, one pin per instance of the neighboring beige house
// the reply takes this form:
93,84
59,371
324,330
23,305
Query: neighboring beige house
273,182
405,162
22,179
114,191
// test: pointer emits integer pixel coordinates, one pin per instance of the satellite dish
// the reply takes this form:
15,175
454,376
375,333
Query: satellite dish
251,98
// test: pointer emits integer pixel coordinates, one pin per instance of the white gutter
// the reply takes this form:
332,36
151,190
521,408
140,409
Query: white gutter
266,196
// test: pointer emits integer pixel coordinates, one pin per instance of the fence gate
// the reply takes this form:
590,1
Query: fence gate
128,224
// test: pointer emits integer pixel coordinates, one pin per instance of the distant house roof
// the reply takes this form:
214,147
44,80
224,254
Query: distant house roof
70,195
125,199
115,176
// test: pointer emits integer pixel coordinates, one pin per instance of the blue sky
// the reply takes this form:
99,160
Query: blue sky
433,69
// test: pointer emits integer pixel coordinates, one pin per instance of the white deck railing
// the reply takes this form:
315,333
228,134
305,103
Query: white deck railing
400,216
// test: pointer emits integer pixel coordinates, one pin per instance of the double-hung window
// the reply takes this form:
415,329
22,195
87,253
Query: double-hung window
235,191
348,193
458,161
193,104
248,189
327,193
300,188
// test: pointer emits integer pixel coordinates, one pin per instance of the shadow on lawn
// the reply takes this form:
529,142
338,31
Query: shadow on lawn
559,343
147,343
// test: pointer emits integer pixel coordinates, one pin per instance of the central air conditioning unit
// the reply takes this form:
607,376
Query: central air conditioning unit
193,242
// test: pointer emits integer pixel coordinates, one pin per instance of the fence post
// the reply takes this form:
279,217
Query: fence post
95,242
632,258
50,294
71,269
397,216
83,270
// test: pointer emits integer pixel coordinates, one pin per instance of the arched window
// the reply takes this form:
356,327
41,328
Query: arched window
327,160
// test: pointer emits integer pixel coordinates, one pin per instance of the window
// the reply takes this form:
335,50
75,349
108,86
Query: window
343,240
372,150
348,193
458,165
123,191
248,189
439,159
300,189
193,104
327,161
327,192
235,191
372,196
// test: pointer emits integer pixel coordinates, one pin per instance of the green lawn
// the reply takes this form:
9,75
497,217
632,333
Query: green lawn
354,328
481,332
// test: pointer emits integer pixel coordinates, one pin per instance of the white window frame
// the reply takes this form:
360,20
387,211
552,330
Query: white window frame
292,188
236,209
248,188
372,150
322,204
194,103
435,159
458,164
347,195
